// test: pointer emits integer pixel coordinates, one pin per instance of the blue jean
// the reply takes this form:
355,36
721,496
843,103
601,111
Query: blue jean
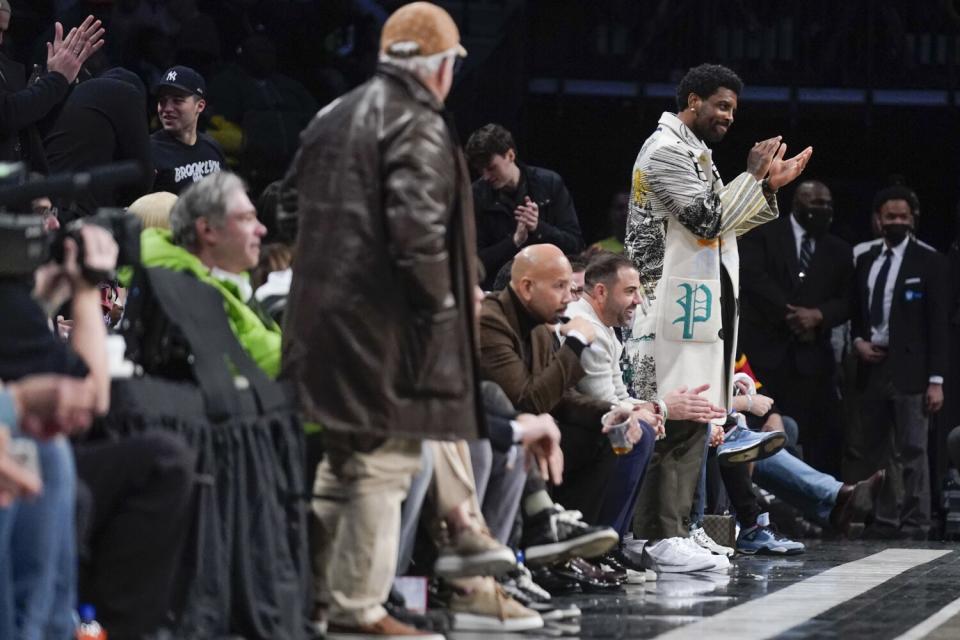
793,480
623,488
38,555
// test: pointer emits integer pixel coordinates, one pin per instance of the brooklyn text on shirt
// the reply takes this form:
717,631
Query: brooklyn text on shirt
195,170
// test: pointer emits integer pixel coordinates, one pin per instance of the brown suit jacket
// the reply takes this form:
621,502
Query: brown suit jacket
548,385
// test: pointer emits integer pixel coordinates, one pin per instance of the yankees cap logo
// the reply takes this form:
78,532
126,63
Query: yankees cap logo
171,76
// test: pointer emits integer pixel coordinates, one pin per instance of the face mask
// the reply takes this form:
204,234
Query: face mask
816,220
895,233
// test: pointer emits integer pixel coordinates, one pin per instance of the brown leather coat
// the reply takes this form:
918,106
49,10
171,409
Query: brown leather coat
379,328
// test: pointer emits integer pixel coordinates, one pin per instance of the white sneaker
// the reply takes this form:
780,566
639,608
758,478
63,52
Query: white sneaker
700,536
525,582
675,555
719,563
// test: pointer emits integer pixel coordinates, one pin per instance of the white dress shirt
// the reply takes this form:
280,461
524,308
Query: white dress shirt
880,335
798,233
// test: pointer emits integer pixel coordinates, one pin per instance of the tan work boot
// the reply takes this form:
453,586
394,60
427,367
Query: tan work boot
479,604
473,552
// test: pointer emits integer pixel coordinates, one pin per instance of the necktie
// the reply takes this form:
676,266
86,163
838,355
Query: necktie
876,300
806,252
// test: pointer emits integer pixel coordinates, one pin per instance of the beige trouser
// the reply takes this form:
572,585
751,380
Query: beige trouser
357,525
453,482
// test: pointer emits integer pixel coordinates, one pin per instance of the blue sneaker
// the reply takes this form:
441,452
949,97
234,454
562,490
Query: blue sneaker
763,539
741,445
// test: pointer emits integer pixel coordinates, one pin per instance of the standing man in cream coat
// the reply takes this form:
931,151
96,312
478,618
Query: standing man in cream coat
682,236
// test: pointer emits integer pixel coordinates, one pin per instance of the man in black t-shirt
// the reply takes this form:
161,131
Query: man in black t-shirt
181,155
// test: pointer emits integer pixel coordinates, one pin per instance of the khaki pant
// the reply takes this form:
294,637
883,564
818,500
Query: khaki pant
666,495
453,482
357,524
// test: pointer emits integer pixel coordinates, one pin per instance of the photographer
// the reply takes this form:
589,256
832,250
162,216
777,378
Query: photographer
37,538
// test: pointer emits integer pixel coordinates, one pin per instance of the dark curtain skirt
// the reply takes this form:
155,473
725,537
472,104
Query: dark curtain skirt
245,566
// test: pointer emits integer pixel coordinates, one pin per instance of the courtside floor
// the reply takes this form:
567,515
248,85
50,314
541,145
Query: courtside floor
848,590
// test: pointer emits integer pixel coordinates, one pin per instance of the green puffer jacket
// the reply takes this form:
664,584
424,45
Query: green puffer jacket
260,340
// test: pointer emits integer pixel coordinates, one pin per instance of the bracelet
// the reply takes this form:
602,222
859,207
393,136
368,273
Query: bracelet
663,409
765,186
749,403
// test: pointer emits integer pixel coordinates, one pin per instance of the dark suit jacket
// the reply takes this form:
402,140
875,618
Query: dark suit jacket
918,317
546,387
770,279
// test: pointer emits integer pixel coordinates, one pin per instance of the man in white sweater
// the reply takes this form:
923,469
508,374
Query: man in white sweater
612,295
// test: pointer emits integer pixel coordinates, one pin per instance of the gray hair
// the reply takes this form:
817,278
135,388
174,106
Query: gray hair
204,199
421,66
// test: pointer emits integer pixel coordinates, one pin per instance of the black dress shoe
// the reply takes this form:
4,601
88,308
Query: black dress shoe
590,578
915,533
554,583
626,561
884,532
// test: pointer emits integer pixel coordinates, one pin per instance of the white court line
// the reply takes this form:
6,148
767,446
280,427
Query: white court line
773,614
932,623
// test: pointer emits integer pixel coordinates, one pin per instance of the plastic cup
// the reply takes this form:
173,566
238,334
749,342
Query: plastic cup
617,432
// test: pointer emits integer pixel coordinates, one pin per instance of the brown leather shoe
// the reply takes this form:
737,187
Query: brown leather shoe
856,501
385,627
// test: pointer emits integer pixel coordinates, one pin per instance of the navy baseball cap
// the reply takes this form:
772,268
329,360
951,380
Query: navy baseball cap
183,79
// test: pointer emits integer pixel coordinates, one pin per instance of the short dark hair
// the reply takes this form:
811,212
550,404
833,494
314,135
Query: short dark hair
577,263
487,141
704,80
604,268
897,192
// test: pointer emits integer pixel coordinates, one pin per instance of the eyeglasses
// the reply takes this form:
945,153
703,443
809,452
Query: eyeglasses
47,212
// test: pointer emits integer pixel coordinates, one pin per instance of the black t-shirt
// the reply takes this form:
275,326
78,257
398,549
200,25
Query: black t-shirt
27,344
101,122
178,165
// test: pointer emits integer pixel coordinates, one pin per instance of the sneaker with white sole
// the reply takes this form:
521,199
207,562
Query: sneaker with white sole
702,538
765,540
741,445
525,581
480,604
556,534
473,552
674,555
720,563
559,612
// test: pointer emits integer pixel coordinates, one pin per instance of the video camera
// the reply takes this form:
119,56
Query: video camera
24,242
